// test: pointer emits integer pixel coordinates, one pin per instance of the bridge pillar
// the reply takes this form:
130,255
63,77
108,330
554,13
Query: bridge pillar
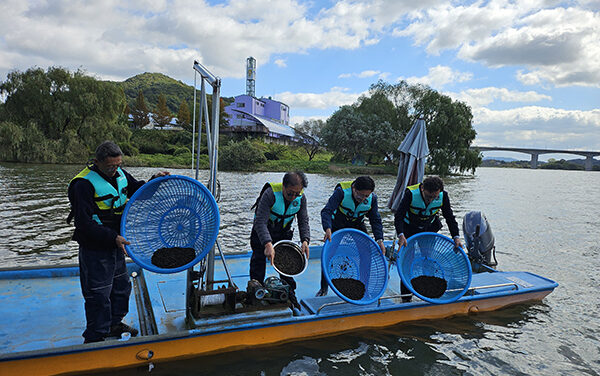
534,160
589,161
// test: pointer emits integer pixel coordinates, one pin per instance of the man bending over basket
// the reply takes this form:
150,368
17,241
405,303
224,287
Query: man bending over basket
419,212
276,207
98,195
347,207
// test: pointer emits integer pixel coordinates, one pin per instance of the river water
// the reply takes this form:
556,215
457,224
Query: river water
544,221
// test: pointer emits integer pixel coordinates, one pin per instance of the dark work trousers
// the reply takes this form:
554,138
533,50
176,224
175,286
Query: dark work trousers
106,289
258,260
359,225
409,231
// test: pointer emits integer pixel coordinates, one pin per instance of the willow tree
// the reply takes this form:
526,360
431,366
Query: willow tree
450,131
376,124
368,129
62,116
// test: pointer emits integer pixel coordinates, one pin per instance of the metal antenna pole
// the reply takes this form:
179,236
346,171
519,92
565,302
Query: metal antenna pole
209,140
202,103
216,95
194,121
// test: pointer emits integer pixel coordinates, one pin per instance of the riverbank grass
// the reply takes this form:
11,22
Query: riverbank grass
316,166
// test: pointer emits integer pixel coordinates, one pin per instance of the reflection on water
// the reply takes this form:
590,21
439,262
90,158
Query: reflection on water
544,222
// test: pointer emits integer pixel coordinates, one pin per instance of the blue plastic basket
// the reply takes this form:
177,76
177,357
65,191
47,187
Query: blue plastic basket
353,254
170,211
432,254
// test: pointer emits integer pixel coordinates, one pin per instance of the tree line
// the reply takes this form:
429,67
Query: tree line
57,116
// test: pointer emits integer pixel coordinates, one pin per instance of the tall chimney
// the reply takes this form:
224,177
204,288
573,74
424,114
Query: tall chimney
250,76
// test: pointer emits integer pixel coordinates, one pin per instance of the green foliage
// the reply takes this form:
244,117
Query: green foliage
184,119
344,133
154,84
181,160
242,155
57,110
162,115
274,152
384,127
11,136
154,141
325,167
139,111
368,129
291,165
562,164
310,136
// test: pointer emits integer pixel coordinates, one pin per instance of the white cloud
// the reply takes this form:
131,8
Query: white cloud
299,119
280,63
384,76
448,26
558,45
368,73
538,127
363,74
439,76
334,98
117,40
487,95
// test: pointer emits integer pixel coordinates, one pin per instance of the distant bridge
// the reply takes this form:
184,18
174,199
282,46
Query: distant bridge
589,155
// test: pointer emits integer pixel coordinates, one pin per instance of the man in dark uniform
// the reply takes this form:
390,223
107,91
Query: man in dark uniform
419,212
98,195
347,207
276,208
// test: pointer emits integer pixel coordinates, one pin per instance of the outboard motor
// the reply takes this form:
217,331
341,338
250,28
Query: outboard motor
479,241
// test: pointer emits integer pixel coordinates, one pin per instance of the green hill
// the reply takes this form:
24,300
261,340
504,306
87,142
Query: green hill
154,84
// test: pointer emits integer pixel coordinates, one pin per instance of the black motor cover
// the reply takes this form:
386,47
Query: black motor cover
479,238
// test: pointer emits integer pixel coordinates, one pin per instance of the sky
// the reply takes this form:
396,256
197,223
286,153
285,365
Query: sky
529,69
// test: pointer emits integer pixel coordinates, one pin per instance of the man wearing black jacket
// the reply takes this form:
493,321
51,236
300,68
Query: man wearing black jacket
98,195
419,212
347,207
276,207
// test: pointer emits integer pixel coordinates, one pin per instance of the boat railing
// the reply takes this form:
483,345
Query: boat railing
470,291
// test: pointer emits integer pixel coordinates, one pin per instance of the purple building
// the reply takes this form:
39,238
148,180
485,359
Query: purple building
259,117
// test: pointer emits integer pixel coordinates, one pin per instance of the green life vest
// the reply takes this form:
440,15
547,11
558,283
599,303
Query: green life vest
279,215
419,213
109,201
348,208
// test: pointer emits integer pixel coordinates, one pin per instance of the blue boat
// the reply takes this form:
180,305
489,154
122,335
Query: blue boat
45,309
